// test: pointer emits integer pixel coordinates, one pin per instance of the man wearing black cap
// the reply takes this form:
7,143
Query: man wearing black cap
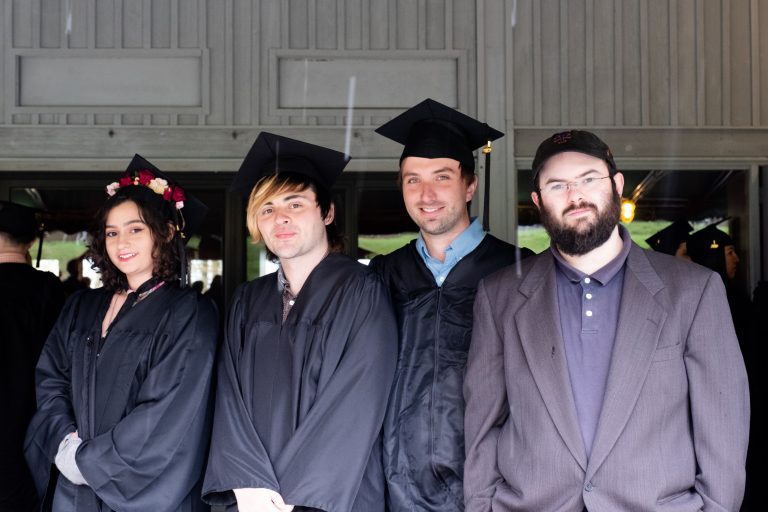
309,355
433,281
603,376
30,302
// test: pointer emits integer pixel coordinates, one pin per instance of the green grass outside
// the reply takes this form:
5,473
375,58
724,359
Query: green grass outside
59,250
383,244
532,237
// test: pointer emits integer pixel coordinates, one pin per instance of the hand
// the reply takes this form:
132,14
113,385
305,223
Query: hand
65,459
260,500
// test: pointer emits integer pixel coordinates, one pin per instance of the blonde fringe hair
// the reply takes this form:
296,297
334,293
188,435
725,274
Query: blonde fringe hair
266,188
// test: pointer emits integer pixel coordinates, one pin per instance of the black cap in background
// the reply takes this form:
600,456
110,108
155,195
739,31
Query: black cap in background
18,221
580,141
707,241
669,239
273,154
433,130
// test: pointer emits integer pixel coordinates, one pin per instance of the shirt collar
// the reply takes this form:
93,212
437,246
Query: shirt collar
605,273
462,245
13,257
282,281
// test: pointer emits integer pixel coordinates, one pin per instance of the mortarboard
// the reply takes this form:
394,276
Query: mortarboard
18,221
185,210
707,247
22,224
708,239
580,141
273,154
433,130
669,239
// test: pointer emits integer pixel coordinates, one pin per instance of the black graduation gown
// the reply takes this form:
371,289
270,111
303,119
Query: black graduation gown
424,424
30,302
299,405
142,405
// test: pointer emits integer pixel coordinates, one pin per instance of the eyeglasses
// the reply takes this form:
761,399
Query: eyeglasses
561,188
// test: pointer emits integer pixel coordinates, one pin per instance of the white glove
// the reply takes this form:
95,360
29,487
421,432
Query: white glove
260,500
65,459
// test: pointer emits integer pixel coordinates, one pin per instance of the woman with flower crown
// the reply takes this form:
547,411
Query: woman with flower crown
124,381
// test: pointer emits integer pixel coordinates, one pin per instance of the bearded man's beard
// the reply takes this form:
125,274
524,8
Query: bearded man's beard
576,240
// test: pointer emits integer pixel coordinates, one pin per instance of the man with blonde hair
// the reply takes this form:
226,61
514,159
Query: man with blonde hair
309,354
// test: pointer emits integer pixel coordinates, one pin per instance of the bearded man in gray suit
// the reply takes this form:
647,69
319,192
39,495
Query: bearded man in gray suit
603,377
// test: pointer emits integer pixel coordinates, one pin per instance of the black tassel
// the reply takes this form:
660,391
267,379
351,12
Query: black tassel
41,236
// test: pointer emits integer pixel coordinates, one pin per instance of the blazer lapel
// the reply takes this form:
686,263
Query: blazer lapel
637,334
538,323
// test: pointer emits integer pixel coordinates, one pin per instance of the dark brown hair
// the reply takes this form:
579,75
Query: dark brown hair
157,215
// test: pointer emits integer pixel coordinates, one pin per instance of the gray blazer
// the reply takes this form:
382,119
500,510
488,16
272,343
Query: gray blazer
673,431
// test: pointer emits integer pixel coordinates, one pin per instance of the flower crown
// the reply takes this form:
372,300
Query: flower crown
172,193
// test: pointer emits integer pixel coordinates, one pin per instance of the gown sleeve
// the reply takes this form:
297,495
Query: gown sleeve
237,458
152,458
55,416
323,463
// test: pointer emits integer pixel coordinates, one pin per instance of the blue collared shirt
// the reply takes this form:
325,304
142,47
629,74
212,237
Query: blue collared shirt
464,244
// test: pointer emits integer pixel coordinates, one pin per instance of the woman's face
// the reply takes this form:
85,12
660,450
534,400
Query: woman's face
130,245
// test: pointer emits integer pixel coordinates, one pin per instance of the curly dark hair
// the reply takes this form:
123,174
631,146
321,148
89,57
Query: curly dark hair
157,214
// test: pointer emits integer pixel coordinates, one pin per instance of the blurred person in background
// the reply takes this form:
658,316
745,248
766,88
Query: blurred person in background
30,302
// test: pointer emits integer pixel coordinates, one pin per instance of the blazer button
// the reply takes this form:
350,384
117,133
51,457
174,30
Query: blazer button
589,487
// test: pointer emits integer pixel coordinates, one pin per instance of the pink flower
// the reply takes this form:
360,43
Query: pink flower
179,205
112,188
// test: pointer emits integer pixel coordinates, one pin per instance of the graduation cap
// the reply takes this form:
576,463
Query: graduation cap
20,222
185,211
707,247
274,154
433,130
669,239
580,141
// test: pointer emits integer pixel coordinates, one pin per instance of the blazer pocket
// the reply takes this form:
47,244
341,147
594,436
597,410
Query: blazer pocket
667,353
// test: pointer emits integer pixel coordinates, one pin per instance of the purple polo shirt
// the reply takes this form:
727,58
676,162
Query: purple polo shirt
589,315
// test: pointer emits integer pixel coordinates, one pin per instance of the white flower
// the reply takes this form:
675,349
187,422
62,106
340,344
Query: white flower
158,185
112,188
179,205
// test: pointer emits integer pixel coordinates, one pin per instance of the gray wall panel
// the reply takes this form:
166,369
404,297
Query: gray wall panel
327,31
407,22
576,79
523,76
105,23
740,63
132,23
161,24
50,23
21,28
603,65
298,24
